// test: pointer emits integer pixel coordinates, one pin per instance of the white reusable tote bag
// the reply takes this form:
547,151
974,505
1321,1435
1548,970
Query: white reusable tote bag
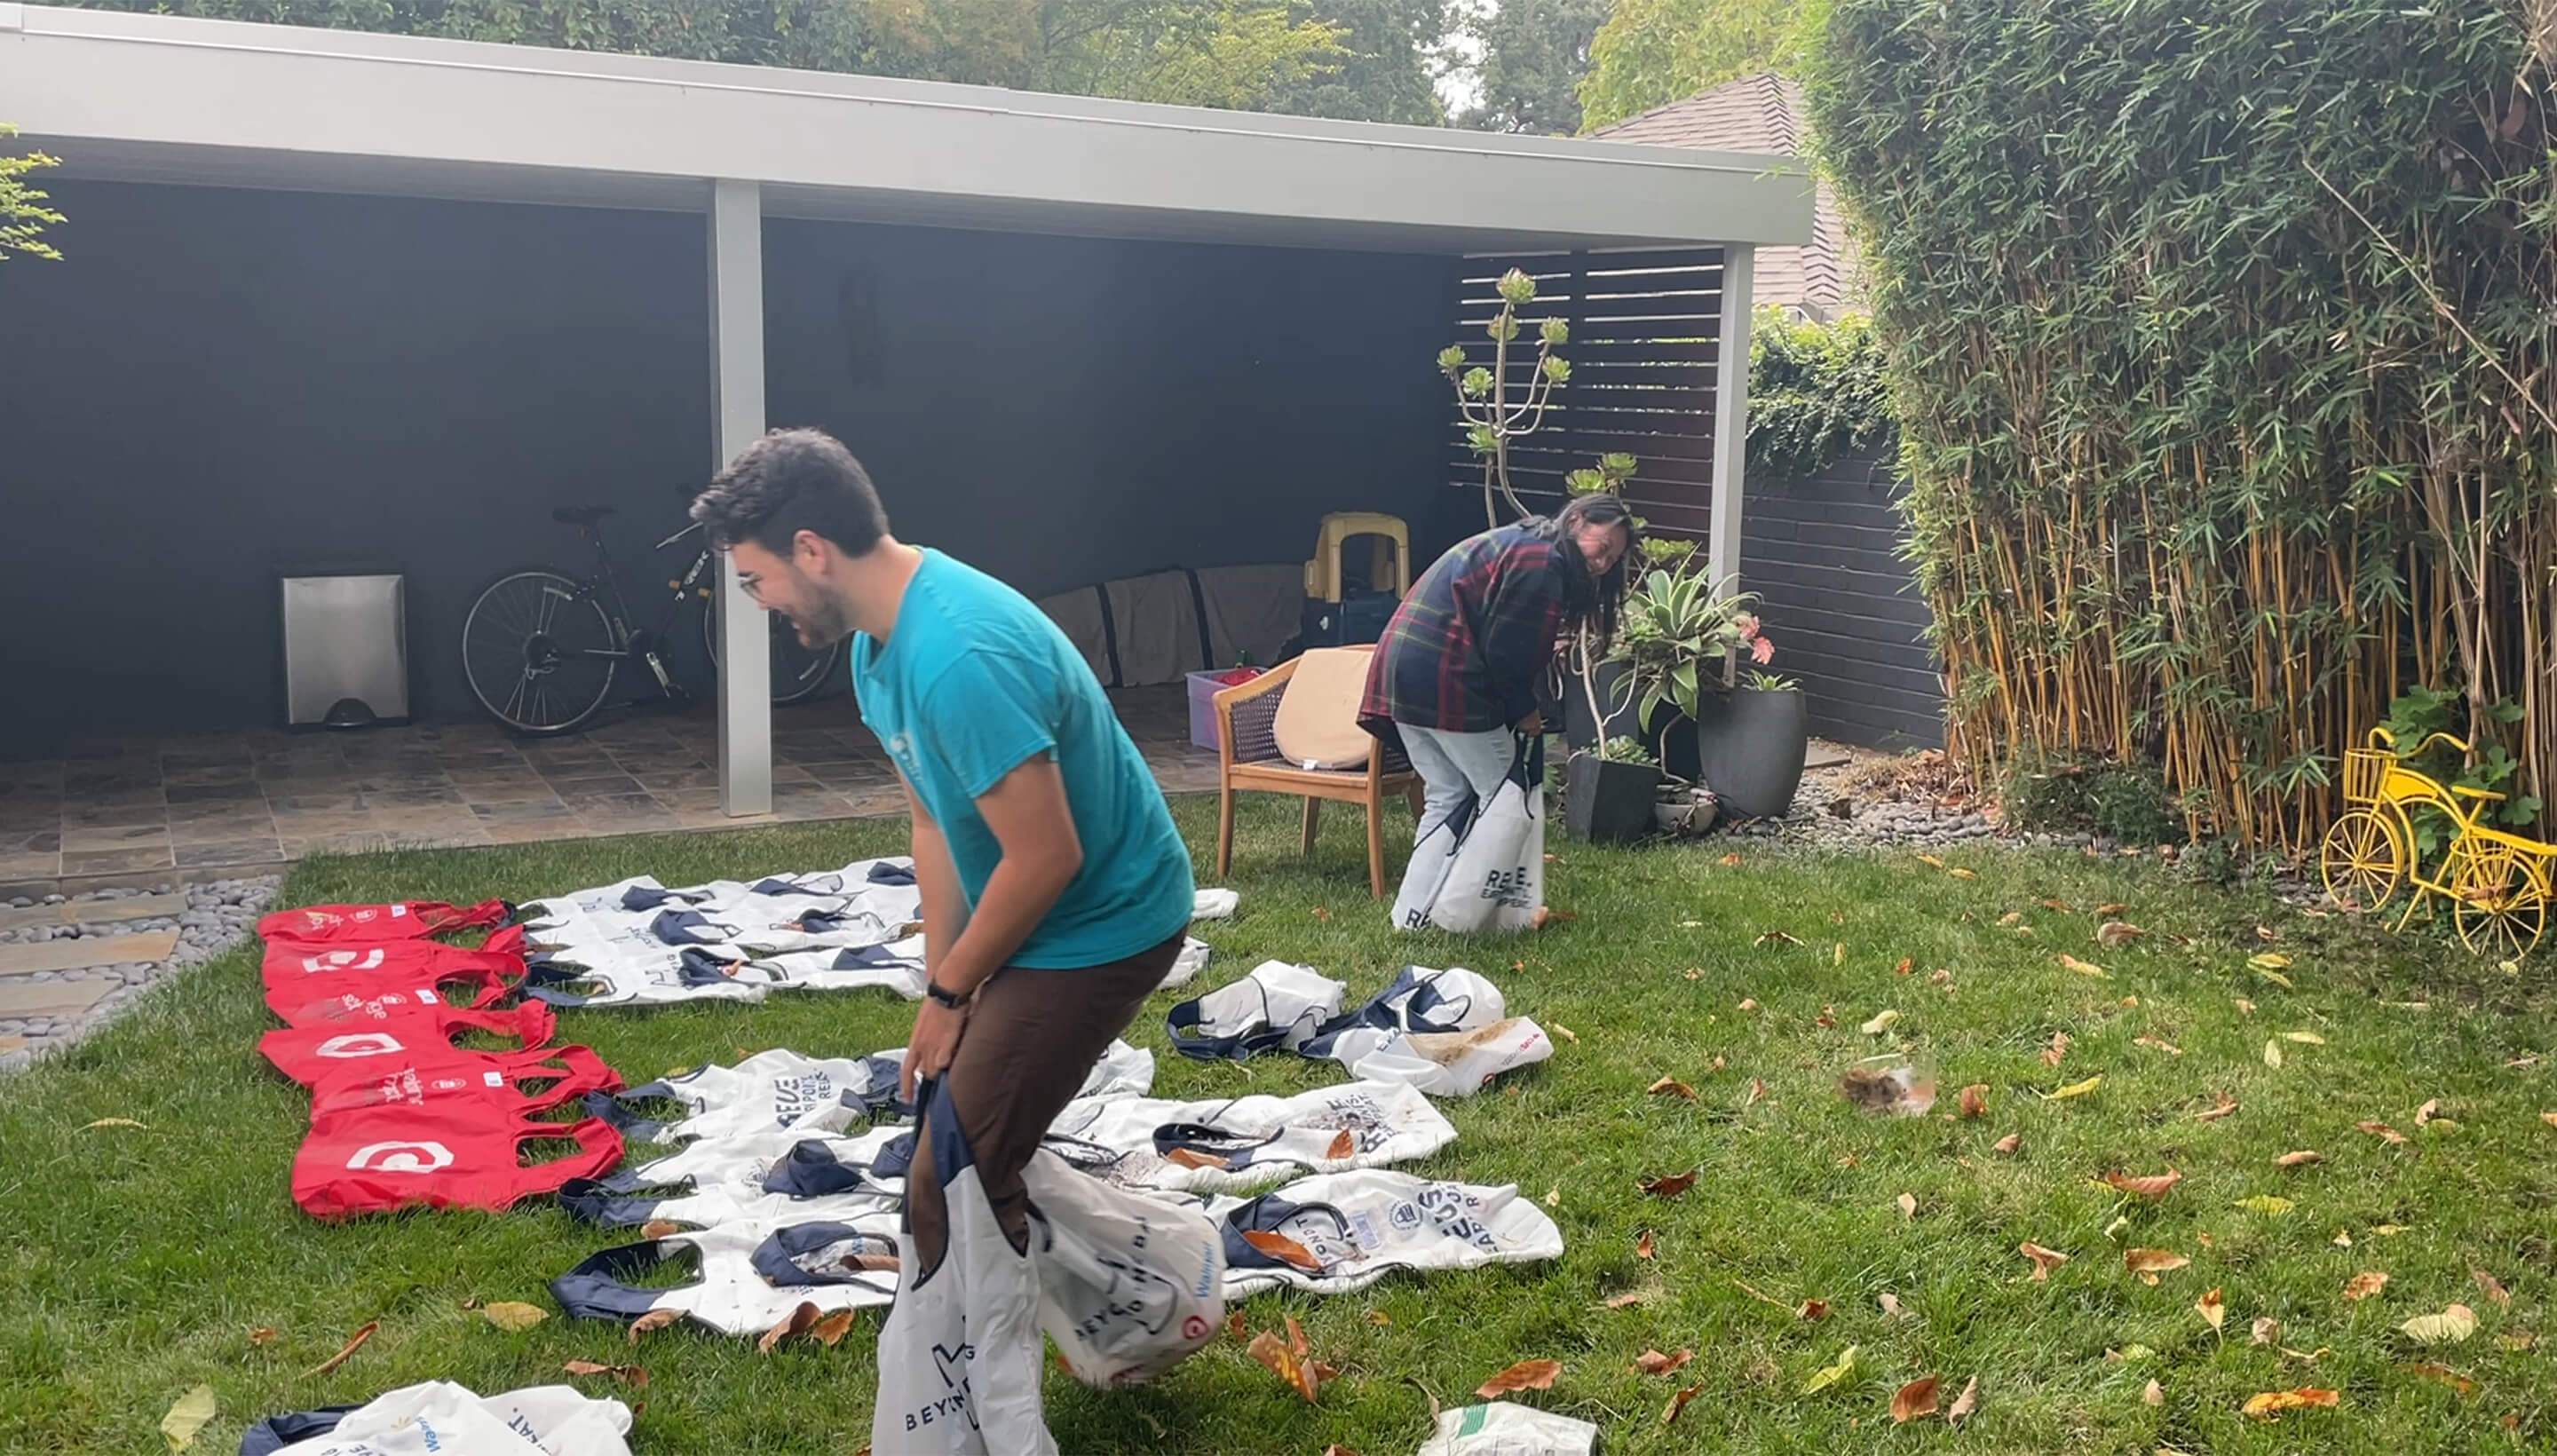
1434,853
1497,880
959,1357
1128,1285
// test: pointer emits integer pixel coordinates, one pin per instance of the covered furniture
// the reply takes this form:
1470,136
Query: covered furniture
1310,706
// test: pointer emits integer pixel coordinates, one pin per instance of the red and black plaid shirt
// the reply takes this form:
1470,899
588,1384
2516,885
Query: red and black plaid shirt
1471,642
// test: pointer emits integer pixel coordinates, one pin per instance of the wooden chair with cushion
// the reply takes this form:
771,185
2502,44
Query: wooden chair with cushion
1294,730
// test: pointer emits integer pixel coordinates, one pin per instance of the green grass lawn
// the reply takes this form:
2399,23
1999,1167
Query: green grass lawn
137,1262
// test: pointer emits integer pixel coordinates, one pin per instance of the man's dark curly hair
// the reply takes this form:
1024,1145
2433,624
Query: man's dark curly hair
789,481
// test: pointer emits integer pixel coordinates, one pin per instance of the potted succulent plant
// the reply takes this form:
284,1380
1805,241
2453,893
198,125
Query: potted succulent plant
1747,742
1684,810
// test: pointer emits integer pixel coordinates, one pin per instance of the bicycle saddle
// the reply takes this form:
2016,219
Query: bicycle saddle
581,515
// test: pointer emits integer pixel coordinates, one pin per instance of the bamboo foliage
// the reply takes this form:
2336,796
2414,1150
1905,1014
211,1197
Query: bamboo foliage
2223,341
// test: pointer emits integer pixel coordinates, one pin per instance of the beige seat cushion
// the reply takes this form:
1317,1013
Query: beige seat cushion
1317,725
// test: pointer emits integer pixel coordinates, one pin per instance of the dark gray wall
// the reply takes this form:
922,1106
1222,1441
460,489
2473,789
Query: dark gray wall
1840,606
218,386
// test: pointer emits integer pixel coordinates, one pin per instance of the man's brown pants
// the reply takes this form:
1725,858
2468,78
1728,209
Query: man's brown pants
1030,1041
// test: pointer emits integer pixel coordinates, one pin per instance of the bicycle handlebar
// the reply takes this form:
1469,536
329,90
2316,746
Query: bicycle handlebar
2388,741
679,534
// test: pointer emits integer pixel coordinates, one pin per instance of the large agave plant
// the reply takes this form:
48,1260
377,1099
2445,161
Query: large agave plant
1674,636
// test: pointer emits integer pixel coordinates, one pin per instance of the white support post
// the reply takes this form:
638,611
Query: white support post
1731,424
737,403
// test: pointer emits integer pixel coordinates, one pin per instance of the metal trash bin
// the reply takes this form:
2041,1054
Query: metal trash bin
345,651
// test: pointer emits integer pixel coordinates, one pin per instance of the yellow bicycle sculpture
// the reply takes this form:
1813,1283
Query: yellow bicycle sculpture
2498,883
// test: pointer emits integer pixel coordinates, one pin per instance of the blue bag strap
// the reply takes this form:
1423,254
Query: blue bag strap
778,1256
1183,1022
599,1286
1264,1214
595,1201
616,1110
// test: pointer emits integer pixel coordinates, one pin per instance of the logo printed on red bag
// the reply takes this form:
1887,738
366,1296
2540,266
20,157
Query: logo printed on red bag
344,960
360,1044
401,1157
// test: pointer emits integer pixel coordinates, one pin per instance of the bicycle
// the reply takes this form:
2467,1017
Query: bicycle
2498,882
541,647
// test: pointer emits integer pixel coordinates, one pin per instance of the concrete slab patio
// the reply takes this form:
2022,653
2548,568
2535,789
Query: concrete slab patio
240,803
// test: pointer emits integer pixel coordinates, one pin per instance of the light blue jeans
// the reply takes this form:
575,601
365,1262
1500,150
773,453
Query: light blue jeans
1457,770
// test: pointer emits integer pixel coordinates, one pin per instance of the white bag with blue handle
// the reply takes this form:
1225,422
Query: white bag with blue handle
1128,1285
1495,881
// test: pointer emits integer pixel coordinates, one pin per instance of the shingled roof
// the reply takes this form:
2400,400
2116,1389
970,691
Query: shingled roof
1761,113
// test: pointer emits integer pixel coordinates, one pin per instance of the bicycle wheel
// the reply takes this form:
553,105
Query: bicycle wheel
2363,861
798,673
2498,898
539,651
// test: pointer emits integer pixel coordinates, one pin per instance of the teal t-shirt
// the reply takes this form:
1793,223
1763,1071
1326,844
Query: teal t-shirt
976,682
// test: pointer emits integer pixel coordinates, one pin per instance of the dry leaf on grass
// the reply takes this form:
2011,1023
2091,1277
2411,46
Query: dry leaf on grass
2148,1263
1748,1004
2269,961
346,1352
1908,1205
1777,937
1566,1034
2044,1259
187,1416
1757,1093
2117,933
1882,1021
2382,1132
1643,1246
1934,860
628,1375
261,1336
659,1229
2215,1311
1816,1311
1284,1249
1730,861
509,1314
1666,1087
1914,1400
655,1319
1965,1403
2152,1187
2428,1112
1889,1306
2549,1118
2266,1331
2268,1205
1958,872
831,1330
1830,1374
797,1322
1653,1363
2446,1375
2155,1394
2389,1230
2493,1289
115,1123
1668,1185
2304,1038
2075,1089
2273,1054
1907,965
2299,1160
2084,968
2342,1238
2450,1327
1976,1099
1527,1375
2226,1104
1678,1402
2153,1044
1626,1300
1291,1360
2364,1284
1380,1319
2270,1402
2008,1145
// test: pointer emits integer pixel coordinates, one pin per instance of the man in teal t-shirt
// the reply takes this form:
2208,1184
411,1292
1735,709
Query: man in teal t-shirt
1056,892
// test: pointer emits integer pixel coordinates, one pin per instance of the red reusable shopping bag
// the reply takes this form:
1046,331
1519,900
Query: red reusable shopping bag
440,1084
405,920
289,960
309,1054
370,997
388,1157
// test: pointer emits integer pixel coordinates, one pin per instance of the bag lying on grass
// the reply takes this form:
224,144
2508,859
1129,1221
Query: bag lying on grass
746,1279
1444,1063
290,964
959,1359
769,1178
1503,1429
1194,959
1214,904
446,1419
777,1090
1276,1006
404,920
308,1054
384,1158
353,999
1128,1286
446,1085
1354,1229
1244,1144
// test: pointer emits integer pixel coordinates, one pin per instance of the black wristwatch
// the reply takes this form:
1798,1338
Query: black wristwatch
946,996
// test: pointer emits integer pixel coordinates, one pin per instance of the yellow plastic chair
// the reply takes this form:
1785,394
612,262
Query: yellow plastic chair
1323,573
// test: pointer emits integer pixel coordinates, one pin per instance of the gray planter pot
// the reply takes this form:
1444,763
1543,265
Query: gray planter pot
1748,746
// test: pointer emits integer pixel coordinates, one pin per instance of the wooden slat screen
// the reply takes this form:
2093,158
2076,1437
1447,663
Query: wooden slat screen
1643,356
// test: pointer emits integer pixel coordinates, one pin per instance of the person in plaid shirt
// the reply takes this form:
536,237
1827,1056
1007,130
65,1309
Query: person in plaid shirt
1457,675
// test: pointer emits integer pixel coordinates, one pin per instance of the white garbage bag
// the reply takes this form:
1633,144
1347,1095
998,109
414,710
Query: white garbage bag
1503,1429
958,1360
1128,1285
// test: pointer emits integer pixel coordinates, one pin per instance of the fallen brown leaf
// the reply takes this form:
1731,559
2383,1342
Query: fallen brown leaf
1527,1375
2151,1042
2301,1158
1757,1093
831,1330
510,1314
2271,1402
1625,1301
2454,1324
1907,965
1643,1246
1976,1099
2084,968
187,1416
660,1227
2152,1187
655,1319
2044,1259
2117,933
355,1342
1291,1360
1566,1034
2446,1375
2154,1396
1908,1205
2008,1145
261,1336
2382,1132
797,1322
2428,1112
1322,914
1185,1157
2148,1263
1653,1363
2495,1290
1380,1319
1958,872
2364,1284
1914,1400
1816,1311
1666,1087
2226,1106
2215,1311
1668,1185
1729,860
113,1122
1965,1403
2107,912
2266,1331
2058,1048
1678,1402
628,1375
1890,1305
1284,1249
